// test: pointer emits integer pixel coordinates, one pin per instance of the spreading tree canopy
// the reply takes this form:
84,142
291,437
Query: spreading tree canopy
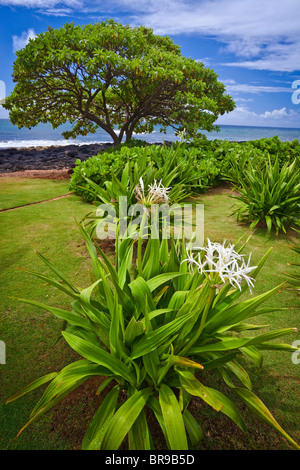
115,77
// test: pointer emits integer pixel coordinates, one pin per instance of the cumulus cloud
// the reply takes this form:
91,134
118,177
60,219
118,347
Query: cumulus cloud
20,41
262,34
276,57
241,115
265,33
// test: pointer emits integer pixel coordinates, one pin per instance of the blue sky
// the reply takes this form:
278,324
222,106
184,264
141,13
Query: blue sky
253,45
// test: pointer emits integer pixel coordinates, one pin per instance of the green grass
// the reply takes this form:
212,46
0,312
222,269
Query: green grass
30,334
277,383
18,192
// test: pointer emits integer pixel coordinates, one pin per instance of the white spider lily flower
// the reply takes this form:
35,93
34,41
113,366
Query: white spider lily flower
224,261
157,193
140,190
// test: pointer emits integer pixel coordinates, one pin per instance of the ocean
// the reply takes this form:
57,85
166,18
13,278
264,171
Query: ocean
43,135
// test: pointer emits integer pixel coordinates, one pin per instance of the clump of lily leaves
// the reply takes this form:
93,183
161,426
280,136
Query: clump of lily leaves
156,323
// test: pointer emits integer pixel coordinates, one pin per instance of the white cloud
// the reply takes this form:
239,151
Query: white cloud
275,57
206,61
56,12
242,116
264,33
41,3
243,100
21,41
233,87
264,30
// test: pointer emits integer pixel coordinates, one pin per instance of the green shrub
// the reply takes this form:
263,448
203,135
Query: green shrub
203,163
150,330
284,151
179,160
237,162
270,195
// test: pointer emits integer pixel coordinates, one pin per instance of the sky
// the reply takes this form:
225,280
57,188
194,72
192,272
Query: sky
253,45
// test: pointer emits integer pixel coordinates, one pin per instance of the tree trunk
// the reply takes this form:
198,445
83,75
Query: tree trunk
128,135
116,140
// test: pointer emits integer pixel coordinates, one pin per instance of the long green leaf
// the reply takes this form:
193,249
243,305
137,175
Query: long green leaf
260,410
98,355
100,422
124,418
32,386
173,419
196,388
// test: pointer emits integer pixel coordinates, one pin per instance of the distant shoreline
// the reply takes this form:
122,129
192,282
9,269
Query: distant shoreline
229,125
44,136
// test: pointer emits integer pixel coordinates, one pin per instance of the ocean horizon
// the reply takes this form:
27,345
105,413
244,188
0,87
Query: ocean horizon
43,135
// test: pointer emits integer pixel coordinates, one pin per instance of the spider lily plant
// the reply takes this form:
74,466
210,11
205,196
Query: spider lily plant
154,332
270,195
145,190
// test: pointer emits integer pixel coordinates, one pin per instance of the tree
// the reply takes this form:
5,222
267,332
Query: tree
115,77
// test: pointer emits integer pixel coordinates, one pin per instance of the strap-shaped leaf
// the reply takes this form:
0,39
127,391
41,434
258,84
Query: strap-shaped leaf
32,386
229,409
116,332
238,312
260,410
254,355
193,428
160,279
58,273
124,418
99,356
67,377
173,419
139,436
53,402
53,282
154,339
153,403
70,317
134,328
197,389
235,343
140,291
100,422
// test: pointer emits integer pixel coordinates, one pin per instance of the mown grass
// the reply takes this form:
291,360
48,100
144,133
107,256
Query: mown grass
30,334
277,383
16,192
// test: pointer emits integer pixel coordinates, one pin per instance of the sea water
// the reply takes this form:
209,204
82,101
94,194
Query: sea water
43,135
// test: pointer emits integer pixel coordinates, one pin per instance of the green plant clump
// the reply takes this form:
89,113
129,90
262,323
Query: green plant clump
203,163
270,195
156,326
179,162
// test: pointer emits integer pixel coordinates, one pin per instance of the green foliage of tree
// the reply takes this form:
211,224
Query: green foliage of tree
114,77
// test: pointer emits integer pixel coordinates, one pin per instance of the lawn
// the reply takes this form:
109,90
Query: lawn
19,192
31,334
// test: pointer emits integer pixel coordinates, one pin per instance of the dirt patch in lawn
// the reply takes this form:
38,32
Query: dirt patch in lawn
63,174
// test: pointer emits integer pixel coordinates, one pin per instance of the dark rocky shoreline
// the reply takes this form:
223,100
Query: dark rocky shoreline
46,158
